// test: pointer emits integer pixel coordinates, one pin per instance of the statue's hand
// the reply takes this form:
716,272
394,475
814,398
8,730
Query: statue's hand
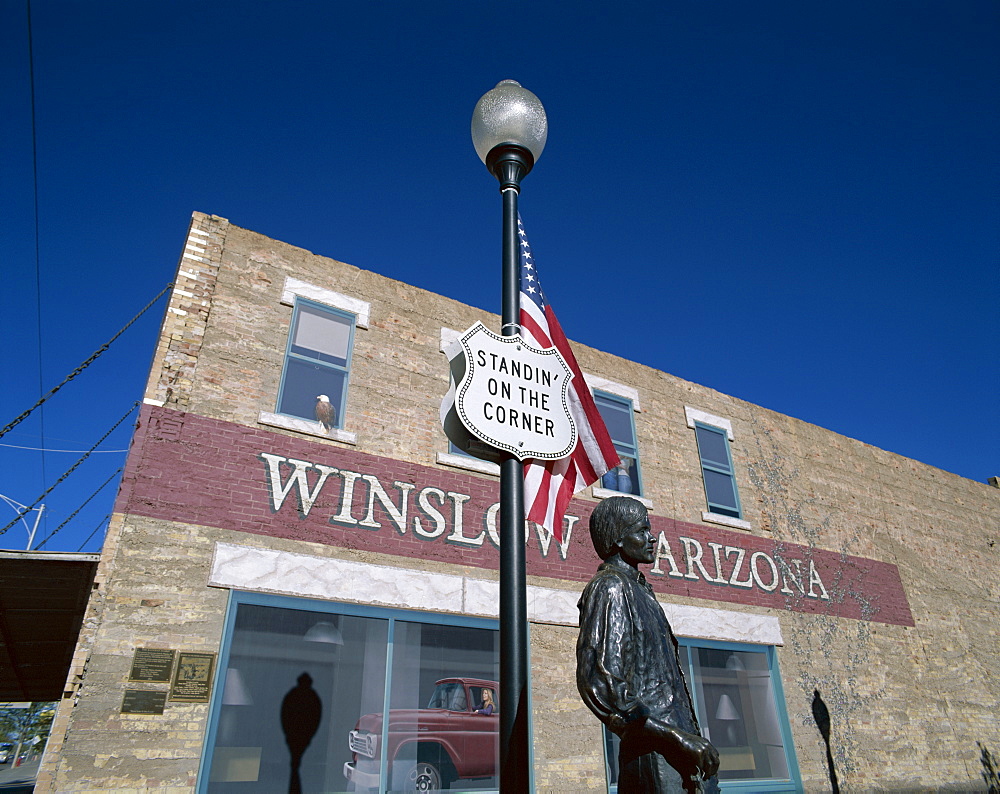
688,752
700,753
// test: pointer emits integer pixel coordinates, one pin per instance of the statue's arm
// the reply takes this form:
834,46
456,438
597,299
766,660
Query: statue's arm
603,652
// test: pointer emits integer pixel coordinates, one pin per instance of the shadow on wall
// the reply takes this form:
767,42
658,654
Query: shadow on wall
822,716
301,710
991,769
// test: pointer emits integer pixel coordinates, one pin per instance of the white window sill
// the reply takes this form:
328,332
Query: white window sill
604,493
467,463
726,521
306,426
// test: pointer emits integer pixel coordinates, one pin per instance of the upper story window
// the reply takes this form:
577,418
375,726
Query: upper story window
713,435
617,414
317,363
717,470
312,394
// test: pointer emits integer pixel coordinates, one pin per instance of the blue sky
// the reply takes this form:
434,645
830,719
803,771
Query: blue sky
795,203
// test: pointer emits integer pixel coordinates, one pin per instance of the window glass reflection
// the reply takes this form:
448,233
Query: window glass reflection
737,707
617,415
300,706
443,723
295,684
712,444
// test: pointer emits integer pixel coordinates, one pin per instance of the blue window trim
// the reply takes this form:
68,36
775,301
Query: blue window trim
629,448
720,509
793,783
352,318
238,597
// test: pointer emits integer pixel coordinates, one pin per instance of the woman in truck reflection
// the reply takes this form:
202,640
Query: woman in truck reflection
488,705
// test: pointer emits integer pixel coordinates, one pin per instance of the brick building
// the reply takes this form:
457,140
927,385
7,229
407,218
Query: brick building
268,581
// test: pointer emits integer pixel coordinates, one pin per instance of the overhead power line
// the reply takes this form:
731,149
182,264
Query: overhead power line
70,470
34,195
73,514
45,449
94,532
83,366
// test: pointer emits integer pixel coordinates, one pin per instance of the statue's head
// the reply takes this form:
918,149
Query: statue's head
609,521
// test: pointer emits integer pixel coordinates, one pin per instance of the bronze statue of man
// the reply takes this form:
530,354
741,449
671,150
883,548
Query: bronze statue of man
626,663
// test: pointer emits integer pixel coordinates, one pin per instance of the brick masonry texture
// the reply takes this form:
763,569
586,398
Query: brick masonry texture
175,473
911,689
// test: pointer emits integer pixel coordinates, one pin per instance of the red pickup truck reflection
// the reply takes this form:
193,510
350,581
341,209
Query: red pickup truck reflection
454,738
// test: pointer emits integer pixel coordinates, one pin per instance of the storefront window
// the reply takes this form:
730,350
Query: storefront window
446,677
303,687
737,694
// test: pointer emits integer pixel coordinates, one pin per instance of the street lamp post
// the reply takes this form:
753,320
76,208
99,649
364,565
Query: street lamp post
509,129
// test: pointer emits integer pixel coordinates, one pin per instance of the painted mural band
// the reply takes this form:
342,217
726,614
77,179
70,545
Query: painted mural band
432,513
435,513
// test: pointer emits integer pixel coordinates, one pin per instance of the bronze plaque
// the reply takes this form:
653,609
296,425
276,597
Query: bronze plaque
143,701
152,664
193,678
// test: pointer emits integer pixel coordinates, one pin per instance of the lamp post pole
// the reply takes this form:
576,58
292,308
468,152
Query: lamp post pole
509,129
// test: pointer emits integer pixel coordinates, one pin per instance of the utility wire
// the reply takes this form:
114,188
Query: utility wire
70,470
73,514
99,525
84,365
34,193
45,449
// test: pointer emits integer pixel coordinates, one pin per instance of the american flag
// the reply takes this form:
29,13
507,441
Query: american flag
549,485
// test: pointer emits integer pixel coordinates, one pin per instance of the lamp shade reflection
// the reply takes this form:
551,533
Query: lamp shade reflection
235,692
726,709
324,631
734,662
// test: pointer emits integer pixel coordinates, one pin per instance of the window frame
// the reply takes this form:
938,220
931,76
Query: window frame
721,425
290,355
793,783
718,508
293,290
620,402
240,597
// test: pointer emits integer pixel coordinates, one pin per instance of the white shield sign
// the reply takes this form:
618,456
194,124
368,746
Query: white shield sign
513,395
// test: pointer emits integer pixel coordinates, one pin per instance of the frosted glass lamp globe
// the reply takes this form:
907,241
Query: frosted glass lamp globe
509,114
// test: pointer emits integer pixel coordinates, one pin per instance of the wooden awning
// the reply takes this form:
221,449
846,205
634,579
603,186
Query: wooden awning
43,597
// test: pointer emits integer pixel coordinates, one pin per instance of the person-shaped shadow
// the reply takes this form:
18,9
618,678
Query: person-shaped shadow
822,716
301,710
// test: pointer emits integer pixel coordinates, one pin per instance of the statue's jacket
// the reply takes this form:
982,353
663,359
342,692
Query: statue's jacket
627,663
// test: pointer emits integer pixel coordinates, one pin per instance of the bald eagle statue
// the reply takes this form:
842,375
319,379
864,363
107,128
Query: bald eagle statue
326,415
